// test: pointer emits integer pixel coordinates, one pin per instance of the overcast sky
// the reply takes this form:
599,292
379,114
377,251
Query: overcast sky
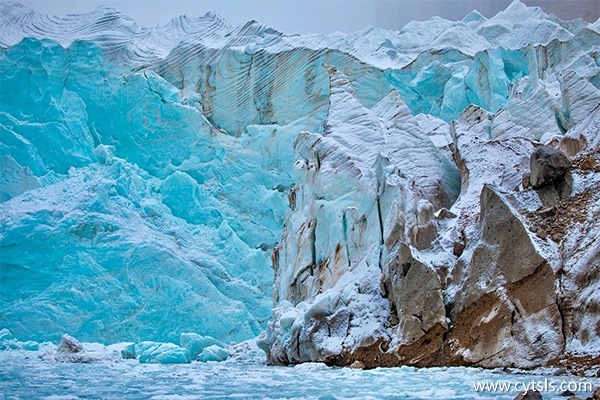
319,16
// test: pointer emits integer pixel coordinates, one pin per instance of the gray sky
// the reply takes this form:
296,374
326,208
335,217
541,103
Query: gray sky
318,16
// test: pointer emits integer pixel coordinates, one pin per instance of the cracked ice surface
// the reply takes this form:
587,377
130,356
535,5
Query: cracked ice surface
23,376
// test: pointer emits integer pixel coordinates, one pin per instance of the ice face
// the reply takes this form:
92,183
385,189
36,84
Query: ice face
149,174
130,220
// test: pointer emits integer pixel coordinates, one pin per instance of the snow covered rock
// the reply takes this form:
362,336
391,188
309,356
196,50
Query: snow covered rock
70,350
416,297
68,344
505,307
550,175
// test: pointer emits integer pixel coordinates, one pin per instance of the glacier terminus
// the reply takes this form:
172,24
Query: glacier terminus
428,197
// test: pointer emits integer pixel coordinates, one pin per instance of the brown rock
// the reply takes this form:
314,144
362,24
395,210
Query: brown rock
533,228
444,213
416,293
526,180
424,235
588,163
357,365
547,211
542,234
458,249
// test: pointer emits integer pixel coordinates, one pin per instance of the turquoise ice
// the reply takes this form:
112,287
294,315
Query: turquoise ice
122,204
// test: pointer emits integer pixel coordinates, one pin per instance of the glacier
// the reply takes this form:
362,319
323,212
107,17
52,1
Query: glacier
199,183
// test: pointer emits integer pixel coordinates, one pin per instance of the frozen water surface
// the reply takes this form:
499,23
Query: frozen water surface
24,376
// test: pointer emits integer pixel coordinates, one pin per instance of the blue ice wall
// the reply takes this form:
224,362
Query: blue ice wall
126,215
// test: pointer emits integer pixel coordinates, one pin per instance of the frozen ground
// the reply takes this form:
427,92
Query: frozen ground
24,376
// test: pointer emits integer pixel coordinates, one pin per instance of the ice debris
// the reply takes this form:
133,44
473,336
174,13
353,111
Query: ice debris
157,353
196,344
70,350
7,342
213,353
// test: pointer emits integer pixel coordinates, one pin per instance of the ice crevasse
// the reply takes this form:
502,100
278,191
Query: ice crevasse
335,191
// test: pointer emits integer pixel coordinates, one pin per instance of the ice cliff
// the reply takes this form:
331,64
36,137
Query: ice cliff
361,196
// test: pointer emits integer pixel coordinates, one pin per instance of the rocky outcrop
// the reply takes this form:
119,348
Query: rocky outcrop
416,297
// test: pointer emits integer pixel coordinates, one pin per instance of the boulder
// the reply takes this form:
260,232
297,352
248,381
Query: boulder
68,344
70,350
548,166
357,365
